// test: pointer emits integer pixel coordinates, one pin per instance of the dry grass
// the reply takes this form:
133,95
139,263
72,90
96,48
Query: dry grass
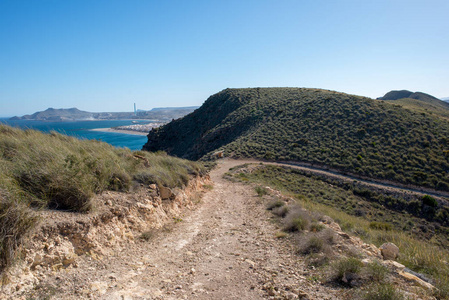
54,171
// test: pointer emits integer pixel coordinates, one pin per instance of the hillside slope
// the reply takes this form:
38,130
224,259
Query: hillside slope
418,102
356,134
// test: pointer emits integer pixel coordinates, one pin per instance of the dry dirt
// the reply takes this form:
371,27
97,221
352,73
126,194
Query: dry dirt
224,249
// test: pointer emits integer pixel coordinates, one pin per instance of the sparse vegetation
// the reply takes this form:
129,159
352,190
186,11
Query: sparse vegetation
423,245
354,134
383,292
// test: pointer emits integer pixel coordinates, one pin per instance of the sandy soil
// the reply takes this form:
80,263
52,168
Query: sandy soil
120,131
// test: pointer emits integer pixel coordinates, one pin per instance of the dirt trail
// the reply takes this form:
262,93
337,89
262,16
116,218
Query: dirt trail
224,249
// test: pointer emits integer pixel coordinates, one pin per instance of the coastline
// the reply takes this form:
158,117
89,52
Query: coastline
132,132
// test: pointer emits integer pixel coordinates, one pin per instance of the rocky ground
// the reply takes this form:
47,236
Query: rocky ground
224,248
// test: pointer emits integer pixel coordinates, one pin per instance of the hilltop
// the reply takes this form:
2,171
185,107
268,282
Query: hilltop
368,137
73,114
418,102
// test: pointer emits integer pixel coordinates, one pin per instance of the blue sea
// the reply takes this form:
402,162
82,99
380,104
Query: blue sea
81,129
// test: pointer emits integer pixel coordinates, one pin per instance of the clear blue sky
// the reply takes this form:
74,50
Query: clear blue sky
104,55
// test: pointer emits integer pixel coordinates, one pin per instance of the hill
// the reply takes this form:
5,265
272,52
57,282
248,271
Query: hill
395,95
418,102
52,114
162,114
350,133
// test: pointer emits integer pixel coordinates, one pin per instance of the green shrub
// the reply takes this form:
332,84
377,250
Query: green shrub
313,245
347,270
376,272
381,226
261,191
296,223
429,201
316,227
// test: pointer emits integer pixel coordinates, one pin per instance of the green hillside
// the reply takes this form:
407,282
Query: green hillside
369,137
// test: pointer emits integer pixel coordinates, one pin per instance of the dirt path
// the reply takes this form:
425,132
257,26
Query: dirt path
225,249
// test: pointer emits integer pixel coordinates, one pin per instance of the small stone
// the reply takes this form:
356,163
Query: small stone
165,192
389,251
250,262
192,271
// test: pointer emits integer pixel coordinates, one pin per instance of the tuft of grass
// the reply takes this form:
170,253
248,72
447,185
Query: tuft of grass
275,204
16,221
376,272
383,292
313,245
347,270
297,223
281,211
296,220
261,191
381,226
148,235
316,227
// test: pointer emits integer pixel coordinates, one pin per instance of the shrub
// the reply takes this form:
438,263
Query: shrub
295,223
313,245
381,226
281,211
346,270
429,201
376,272
261,191
147,235
316,227
275,204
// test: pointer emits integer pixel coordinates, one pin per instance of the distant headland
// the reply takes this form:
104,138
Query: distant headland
161,114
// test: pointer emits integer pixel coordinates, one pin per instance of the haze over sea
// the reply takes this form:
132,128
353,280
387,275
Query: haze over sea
82,130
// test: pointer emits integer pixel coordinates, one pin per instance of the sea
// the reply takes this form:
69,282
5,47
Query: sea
82,130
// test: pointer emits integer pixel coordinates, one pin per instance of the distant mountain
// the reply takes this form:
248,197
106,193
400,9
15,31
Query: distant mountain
52,114
372,138
395,95
445,99
418,102
161,114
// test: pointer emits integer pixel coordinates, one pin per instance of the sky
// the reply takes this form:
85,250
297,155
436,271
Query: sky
106,55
